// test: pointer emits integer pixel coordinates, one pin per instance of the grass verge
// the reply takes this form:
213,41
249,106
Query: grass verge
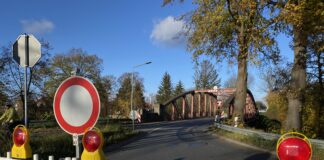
269,145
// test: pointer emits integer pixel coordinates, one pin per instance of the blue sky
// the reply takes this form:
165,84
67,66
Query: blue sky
123,33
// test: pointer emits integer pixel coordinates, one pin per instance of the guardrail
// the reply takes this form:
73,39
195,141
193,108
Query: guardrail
264,135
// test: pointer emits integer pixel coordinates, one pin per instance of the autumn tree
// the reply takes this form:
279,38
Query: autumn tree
300,19
206,76
315,59
106,87
123,97
74,62
238,32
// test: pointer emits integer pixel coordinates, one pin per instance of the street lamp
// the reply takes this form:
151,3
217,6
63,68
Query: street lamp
132,92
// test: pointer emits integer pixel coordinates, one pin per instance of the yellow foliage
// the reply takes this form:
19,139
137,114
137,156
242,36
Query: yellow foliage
311,116
277,106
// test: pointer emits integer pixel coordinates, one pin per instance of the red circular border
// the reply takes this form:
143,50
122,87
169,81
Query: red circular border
76,80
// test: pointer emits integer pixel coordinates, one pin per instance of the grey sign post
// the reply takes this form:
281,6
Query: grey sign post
26,52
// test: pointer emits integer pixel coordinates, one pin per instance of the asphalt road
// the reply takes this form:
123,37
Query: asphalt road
182,140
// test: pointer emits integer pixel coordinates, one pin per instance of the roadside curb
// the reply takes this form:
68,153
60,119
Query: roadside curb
242,144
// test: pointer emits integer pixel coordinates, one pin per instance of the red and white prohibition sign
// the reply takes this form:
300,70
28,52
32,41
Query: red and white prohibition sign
76,105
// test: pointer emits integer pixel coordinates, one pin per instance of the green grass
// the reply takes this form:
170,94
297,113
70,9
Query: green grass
255,140
53,141
5,143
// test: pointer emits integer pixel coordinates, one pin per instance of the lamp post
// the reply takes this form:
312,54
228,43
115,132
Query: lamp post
132,92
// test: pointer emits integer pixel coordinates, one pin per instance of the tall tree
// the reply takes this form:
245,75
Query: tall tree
105,86
315,59
63,66
299,18
12,75
236,31
178,89
123,97
3,96
206,76
165,89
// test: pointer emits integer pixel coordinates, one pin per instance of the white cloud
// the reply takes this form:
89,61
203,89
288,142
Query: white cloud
37,26
169,32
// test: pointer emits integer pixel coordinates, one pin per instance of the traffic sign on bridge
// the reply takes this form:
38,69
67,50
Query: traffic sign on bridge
76,105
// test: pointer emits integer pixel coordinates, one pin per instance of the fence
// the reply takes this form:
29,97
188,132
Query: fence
51,123
36,157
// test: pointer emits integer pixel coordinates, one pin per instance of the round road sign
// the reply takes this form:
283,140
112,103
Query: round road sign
76,105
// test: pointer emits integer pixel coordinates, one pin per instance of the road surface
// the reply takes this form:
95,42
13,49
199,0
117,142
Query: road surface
182,140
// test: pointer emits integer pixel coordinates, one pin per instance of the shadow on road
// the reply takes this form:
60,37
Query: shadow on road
116,146
171,135
260,156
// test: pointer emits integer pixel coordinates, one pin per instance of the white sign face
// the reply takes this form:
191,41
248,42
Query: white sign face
19,50
133,115
76,105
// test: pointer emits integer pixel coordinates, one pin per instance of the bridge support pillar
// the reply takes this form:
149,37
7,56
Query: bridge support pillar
199,104
192,106
215,106
205,105
210,106
183,107
172,112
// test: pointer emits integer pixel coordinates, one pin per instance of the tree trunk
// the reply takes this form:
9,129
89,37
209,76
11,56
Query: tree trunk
298,81
241,83
240,95
319,67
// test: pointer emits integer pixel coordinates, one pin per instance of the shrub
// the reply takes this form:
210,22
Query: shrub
266,124
277,105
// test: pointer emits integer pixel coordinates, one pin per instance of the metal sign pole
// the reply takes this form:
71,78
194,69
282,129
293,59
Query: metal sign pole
75,136
132,93
77,150
26,65
77,145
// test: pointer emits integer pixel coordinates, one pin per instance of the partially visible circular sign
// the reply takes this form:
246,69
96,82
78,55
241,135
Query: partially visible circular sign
76,105
133,115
